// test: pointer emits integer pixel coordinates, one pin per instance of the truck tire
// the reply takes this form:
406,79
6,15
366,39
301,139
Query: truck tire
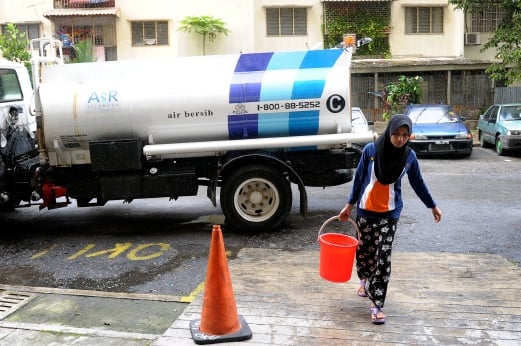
255,198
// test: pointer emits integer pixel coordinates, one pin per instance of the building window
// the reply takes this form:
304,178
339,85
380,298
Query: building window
424,20
149,33
31,31
286,21
488,19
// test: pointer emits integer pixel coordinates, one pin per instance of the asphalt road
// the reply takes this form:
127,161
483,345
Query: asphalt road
161,247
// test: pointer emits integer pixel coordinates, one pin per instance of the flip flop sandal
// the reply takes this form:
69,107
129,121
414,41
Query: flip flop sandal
374,316
361,289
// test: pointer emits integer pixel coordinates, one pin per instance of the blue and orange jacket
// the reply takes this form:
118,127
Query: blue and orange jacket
374,199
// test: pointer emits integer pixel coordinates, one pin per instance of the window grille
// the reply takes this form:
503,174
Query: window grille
149,33
31,31
424,20
487,20
286,21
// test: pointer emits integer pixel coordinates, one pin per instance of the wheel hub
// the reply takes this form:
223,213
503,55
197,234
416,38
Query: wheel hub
255,197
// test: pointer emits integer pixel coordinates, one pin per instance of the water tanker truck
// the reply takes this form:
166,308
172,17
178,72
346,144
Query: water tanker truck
247,126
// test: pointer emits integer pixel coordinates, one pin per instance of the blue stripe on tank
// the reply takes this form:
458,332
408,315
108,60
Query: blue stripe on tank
262,77
253,62
286,60
243,126
274,124
303,123
246,84
321,58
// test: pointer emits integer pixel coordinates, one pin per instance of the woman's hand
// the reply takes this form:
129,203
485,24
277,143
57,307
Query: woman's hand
436,212
345,213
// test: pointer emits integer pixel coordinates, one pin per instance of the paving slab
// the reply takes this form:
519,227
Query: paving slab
433,299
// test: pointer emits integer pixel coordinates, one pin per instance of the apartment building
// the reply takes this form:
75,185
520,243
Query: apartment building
427,37
126,29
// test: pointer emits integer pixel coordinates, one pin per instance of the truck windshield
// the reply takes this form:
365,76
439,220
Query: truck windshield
9,86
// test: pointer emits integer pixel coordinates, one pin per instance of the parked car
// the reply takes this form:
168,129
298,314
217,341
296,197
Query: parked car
360,124
500,126
438,130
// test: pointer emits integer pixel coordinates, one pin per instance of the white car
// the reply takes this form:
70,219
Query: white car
360,123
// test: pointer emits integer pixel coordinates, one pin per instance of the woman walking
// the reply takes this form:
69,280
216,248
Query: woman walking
377,195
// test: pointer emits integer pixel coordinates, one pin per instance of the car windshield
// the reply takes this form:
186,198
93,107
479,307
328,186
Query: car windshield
510,113
432,115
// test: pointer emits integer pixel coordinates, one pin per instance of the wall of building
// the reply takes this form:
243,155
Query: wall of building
26,12
447,44
237,16
313,39
474,51
246,20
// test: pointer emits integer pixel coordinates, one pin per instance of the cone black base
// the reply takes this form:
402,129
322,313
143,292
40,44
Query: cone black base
202,339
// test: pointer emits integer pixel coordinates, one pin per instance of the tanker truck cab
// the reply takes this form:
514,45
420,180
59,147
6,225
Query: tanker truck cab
15,92
17,138
245,126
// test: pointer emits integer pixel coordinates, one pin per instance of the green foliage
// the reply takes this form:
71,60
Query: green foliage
207,26
14,44
407,91
506,40
83,52
363,24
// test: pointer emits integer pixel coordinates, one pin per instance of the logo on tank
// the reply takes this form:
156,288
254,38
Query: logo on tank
335,103
239,109
102,100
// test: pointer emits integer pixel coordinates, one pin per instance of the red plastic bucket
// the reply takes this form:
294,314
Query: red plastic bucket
337,254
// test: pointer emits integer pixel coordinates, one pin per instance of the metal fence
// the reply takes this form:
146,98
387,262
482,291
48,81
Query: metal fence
470,92
508,95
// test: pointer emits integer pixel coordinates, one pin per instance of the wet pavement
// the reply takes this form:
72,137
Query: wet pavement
434,298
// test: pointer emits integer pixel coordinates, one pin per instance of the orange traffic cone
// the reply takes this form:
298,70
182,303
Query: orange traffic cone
219,319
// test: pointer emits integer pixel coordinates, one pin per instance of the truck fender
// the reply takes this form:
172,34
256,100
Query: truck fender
242,160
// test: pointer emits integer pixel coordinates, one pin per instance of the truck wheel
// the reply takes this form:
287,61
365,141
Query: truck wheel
256,198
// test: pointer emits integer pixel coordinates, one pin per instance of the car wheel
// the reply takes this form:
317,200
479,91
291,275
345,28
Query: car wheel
499,147
482,142
256,198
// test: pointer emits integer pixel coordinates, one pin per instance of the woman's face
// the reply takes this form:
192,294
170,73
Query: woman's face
400,137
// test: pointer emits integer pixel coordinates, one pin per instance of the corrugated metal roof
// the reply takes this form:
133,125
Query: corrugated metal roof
83,12
360,65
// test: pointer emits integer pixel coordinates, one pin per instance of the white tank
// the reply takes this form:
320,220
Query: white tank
194,99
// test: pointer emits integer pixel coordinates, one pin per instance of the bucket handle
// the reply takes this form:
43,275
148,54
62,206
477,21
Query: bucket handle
333,218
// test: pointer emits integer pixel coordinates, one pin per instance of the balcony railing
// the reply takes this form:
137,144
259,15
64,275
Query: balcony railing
84,3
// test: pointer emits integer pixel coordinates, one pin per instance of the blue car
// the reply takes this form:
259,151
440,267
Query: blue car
437,130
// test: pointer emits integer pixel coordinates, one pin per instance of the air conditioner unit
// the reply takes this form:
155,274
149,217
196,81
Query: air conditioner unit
472,38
